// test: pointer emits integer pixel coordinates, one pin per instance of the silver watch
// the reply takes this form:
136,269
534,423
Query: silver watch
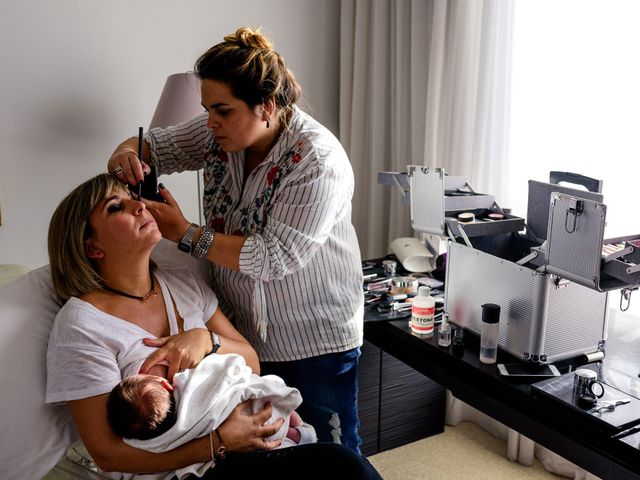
185,243
215,341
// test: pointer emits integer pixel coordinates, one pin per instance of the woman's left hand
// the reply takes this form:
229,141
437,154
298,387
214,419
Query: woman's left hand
244,431
168,216
182,350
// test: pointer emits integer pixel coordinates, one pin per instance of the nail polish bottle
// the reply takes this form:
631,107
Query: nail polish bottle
444,332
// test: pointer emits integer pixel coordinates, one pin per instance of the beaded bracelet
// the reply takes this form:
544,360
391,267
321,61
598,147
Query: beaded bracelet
204,243
213,457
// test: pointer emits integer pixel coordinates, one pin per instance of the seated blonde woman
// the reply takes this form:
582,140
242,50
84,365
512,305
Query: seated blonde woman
100,242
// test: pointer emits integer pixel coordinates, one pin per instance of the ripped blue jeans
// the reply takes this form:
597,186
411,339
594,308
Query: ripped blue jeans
329,388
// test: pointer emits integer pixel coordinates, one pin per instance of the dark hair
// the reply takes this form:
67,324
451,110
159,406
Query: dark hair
253,70
140,408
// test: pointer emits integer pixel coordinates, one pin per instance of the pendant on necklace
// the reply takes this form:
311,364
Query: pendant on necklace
149,295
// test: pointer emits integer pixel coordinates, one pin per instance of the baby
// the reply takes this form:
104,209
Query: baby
150,413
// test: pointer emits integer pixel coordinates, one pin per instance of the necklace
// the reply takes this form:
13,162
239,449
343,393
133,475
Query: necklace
152,292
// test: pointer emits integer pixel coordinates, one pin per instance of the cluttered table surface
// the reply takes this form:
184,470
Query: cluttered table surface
605,442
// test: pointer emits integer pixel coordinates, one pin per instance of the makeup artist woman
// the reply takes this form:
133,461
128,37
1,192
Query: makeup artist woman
277,200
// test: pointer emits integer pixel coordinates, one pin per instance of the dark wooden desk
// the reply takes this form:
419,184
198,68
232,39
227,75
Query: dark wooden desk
543,421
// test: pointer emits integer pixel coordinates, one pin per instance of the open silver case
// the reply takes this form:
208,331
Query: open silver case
550,281
577,250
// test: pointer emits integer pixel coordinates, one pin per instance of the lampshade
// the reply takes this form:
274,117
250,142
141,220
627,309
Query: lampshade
180,100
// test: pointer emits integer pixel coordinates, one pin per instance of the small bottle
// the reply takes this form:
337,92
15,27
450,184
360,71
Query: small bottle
389,267
444,333
422,312
457,346
489,334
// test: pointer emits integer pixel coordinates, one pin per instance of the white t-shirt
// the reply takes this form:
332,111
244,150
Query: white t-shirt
90,351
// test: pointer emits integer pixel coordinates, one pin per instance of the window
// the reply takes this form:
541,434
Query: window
575,103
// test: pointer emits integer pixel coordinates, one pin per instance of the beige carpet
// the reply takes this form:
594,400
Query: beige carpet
461,452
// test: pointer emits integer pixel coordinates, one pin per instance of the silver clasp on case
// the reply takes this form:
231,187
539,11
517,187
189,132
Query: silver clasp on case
576,207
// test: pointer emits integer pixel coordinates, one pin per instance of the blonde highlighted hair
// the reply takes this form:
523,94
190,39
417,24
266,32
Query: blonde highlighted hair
247,63
72,271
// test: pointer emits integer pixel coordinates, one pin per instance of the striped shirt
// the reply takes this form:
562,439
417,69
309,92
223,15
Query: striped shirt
298,293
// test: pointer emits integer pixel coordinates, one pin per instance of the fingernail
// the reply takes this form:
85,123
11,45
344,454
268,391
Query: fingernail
161,186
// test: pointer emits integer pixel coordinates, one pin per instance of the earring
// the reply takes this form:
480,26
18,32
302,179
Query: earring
267,123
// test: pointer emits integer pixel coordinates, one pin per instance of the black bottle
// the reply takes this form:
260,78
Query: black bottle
457,345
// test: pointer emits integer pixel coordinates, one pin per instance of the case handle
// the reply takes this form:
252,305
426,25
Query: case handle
591,184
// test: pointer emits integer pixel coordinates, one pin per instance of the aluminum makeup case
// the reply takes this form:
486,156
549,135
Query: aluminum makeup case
544,315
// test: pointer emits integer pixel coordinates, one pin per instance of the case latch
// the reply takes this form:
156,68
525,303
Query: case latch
576,207
625,295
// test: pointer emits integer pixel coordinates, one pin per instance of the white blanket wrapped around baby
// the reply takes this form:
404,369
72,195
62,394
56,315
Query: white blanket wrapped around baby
206,395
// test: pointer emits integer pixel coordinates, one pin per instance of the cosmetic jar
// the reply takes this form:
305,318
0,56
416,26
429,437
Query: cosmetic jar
408,285
389,267
466,217
586,386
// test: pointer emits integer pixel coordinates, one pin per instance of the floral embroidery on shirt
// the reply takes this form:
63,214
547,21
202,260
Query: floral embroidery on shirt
271,176
219,201
276,174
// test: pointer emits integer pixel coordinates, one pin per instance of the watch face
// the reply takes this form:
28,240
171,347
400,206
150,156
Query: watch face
215,340
184,247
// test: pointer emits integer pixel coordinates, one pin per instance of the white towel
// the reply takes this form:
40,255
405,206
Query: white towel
206,395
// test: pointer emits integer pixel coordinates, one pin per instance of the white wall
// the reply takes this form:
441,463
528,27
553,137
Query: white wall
78,76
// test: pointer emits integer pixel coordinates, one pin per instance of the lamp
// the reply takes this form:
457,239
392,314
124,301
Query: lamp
180,100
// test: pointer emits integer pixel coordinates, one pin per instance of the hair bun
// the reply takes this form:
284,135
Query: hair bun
247,63
248,37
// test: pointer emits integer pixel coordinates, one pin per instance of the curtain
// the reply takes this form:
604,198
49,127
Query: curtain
422,82
427,82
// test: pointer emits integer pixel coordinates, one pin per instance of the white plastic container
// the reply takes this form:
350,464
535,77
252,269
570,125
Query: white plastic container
422,312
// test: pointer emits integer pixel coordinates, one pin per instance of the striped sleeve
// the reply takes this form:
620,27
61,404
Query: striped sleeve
180,147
